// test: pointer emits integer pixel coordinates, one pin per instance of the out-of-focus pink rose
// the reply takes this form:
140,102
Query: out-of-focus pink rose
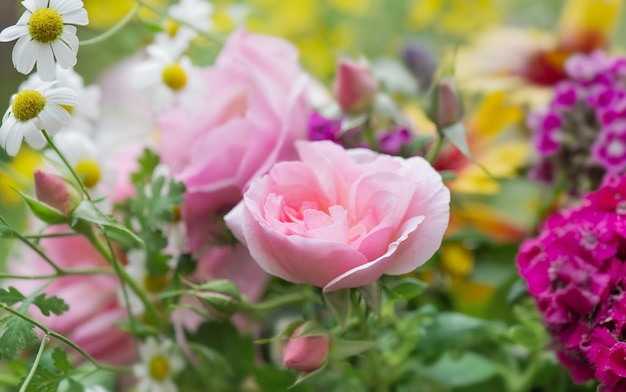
56,192
355,85
342,218
94,314
306,353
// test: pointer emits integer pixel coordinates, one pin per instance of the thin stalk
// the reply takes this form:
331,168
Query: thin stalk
67,164
35,364
65,340
25,240
113,29
78,272
433,153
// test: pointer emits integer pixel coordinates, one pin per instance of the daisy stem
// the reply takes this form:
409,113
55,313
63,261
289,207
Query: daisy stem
35,364
109,254
164,14
65,340
67,164
112,30
78,272
34,247
39,236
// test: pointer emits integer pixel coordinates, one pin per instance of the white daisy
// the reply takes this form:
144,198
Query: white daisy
167,81
159,362
43,33
196,14
34,110
87,111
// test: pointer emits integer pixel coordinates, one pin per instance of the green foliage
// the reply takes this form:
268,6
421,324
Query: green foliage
43,211
54,375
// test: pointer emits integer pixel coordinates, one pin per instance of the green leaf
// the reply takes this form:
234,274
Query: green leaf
526,336
88,213
456,134
372,294
340,304
44,380
460,371
59,356
49,305
16,334
43,211
73,386
147,163
11,296
408,288
341,348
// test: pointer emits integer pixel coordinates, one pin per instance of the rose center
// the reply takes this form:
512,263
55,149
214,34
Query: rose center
89,171
159,368
174,77
45,25
27,105
155,284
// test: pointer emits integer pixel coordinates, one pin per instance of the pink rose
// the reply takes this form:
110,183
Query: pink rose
342,218
355,85
94,315
306,353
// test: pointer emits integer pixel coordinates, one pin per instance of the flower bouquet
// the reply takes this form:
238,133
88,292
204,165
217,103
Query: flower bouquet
193,200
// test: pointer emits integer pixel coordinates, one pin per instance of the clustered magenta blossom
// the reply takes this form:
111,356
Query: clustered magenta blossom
582,133
575,270
342,218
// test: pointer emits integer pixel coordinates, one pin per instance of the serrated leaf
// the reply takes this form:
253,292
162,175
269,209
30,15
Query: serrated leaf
340,304
16,334
71,385
44,380
11,296
457,135
49,305
87,212
59,356
43,211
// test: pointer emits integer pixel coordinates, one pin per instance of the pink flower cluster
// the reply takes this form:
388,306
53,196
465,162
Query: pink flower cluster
587,117
575,268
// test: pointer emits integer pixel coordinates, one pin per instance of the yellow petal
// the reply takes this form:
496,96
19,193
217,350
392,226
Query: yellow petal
456,259
588,24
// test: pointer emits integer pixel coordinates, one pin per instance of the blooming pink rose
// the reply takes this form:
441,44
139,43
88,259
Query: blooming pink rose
94,314
342,218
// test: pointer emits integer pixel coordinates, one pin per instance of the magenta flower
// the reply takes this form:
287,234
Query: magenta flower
575,269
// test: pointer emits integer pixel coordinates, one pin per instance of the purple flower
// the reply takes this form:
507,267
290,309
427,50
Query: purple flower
394,141
322,128
609,149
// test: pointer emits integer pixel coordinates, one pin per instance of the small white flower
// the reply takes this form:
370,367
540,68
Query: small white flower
167,81
196,15
159,362
34,110
87,111
43,33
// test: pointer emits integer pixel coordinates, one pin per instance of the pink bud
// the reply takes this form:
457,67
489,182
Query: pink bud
449,109
355,85
56,192
306,353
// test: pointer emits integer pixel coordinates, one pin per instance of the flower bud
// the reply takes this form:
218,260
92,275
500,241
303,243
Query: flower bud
420,61
355,85
220,297
447,107
56,192
306,353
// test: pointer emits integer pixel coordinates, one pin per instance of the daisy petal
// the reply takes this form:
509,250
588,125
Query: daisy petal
64,7
12,32
63,96
19,47
70,38
60,114
45,63
64,55
27,57
34,137
14,139
30,5
77,17
48,121
41,3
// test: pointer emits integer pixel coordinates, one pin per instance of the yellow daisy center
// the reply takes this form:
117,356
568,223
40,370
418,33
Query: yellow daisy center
89,171
27,105
171,28
155,284
176,217
45,25
159,368
174,77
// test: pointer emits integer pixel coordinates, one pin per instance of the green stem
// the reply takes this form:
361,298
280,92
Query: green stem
65,340
113,29
288,299
25,240
35,364
77,272
433,153
51,235
67,164
109,255
164,14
